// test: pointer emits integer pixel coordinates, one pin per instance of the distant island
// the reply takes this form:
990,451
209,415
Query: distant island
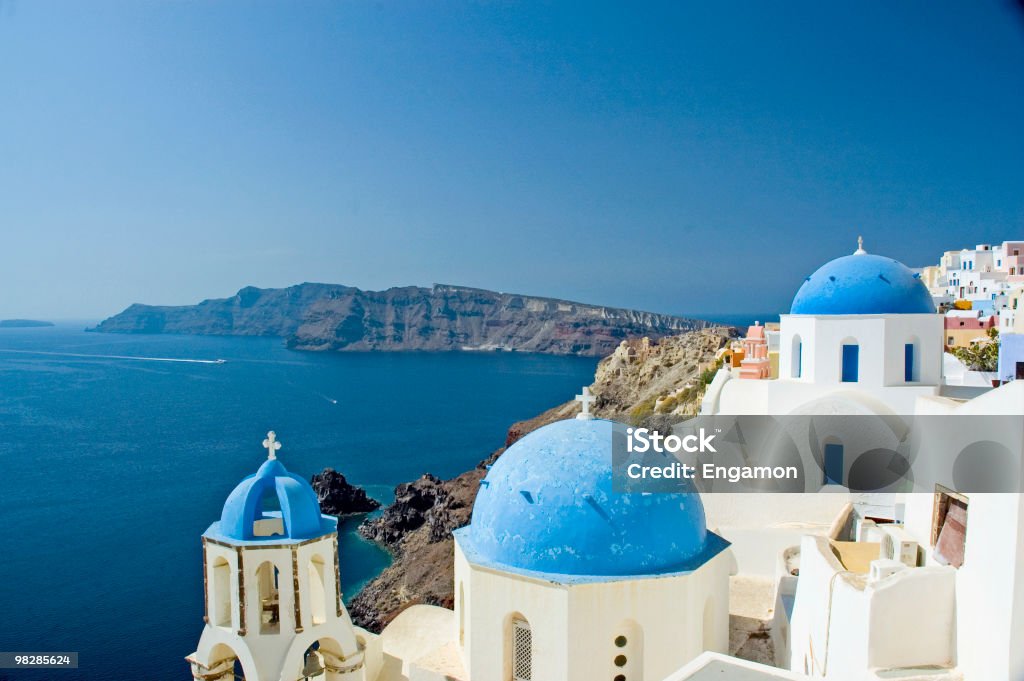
22,323
343,318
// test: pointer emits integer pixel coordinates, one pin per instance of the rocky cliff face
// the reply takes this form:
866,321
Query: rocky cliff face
332,317
642,379
418,526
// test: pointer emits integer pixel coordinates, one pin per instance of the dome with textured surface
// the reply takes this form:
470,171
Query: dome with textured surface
244,517
863,284
548,505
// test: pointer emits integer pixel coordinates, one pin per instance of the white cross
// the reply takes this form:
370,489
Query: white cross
585,399
860,247
272,445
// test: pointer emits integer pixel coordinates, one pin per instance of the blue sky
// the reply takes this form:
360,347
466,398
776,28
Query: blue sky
681,157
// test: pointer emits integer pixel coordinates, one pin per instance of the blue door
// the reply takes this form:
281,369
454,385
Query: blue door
908,362
834,464
851,363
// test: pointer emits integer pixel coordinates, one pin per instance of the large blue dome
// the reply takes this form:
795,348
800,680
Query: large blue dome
863,284
547,505
299,508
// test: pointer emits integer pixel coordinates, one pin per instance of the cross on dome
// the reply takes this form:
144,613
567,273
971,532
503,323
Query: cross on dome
585,399
860,247
271,445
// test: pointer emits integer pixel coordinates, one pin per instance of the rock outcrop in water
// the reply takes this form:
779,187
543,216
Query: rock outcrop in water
338,496
333,317
417,528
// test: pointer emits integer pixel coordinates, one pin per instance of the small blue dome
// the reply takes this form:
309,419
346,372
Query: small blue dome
863,284
547,505
300,510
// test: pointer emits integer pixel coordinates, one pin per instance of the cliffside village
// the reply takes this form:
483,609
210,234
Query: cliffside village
558,577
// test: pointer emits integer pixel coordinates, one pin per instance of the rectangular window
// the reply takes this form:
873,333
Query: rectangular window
851,363
833,464
1020,371
908,363
799,360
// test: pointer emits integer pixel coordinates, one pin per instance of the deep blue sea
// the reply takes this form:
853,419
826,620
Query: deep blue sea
111,468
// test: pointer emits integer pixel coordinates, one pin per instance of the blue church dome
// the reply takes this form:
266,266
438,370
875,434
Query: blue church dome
299,508
547,505
863,284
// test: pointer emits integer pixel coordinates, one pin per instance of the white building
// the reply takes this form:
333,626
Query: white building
271,587
861,329
984,275
933,597
560,577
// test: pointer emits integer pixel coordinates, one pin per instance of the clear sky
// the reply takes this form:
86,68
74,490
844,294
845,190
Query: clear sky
697,157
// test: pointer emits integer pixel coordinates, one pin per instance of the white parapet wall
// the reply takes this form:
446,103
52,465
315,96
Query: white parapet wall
844,625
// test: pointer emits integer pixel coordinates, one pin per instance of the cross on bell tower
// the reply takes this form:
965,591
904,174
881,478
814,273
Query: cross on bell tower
585,399
271,445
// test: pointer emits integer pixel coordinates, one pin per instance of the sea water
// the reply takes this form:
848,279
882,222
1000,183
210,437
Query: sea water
113,461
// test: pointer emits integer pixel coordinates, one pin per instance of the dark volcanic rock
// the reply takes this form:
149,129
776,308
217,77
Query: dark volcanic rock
333,317
424,502
339,497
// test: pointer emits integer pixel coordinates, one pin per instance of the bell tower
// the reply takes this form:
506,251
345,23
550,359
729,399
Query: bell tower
271,586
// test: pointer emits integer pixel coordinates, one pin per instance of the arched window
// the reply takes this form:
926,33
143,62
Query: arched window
269,522
317,590
521,647
270,605
796,358
221,596
224,663
323,659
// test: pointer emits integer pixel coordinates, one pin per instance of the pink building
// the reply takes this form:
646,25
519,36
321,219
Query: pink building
1013,260
755,363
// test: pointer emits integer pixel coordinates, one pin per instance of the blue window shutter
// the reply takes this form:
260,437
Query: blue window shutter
851,363
834,464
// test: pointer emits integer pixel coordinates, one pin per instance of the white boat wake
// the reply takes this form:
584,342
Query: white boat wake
128,357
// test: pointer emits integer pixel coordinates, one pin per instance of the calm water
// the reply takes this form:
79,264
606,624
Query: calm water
112,468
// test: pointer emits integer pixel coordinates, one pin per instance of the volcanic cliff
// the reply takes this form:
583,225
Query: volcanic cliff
334,317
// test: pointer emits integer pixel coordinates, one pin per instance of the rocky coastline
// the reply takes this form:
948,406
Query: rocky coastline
329,317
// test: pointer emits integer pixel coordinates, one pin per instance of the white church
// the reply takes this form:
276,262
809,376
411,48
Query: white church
560,578
939,593
556,577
